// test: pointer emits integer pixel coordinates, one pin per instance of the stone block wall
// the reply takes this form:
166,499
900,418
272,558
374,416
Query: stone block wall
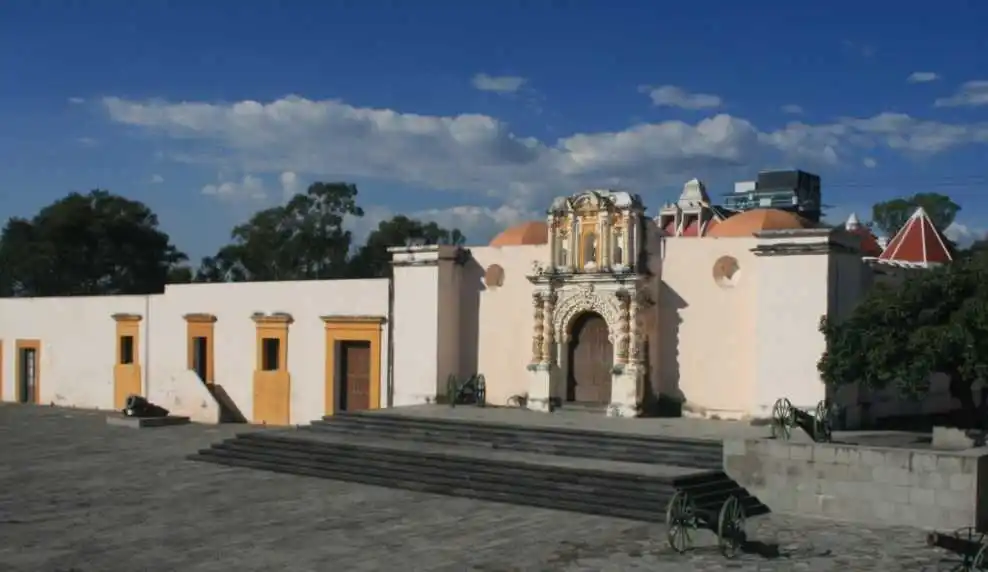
942,490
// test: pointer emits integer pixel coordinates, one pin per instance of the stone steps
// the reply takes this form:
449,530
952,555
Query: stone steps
567,442
593,486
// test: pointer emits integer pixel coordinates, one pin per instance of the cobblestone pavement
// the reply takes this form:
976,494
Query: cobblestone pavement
76,495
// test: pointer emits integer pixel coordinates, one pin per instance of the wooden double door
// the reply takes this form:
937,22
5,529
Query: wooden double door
591,358
353,389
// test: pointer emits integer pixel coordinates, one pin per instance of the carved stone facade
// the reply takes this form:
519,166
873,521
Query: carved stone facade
595,241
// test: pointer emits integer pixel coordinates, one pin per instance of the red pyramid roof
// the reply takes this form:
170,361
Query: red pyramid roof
918,242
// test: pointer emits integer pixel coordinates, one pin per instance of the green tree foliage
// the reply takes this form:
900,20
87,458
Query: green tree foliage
86,244
890,216
935,321
372,260
306,240
301,240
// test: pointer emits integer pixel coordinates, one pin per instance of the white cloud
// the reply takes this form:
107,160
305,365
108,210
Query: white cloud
504,84
249,187
792,109
478,153
290,185
87,141
478,224
157,179
970,94
672,96
922,77
963,235
77,100
869,162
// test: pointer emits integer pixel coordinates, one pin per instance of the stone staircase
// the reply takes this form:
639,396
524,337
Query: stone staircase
612,474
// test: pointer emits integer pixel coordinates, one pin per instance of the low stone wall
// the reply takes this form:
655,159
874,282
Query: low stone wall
914,487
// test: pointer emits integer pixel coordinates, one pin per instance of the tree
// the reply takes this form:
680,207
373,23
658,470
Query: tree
373,259
86,244
301,240
936,321
890,216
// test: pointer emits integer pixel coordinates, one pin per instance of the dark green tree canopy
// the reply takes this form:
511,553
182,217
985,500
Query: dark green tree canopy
935,321
301,240
890,216
86,244
372,260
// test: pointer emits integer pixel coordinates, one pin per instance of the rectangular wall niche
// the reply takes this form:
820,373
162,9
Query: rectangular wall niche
127,379
272,382
199,332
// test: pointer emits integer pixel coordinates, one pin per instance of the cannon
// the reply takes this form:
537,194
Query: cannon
472,391
818,425
683,518
968,543
137,406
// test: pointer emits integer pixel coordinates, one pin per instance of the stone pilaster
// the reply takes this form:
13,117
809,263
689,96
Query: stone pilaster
623,334
634,331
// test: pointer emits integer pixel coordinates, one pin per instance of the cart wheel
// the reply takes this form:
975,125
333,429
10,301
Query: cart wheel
730,527
822,421
681,522
782,419
980,561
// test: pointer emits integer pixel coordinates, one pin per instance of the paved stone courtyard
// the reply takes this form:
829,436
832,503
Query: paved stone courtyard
76,495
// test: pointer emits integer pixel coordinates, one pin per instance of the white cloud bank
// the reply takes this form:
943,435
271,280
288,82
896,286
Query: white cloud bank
970,94
476,153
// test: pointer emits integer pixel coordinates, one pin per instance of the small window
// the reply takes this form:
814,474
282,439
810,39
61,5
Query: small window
270,354
126,350
618,249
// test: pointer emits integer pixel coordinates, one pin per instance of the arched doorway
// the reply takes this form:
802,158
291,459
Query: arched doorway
591,357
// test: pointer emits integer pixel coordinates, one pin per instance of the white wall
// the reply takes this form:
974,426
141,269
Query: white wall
504,322
235,337
78,345
79,342
706,331
417,375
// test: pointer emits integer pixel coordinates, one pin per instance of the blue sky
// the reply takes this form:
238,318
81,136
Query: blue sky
476,114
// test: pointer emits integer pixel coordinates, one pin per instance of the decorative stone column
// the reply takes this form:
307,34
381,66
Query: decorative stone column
634,333
553,242
549,307
538,327
623,336
574,251
627,241
540,369
627,375
605,242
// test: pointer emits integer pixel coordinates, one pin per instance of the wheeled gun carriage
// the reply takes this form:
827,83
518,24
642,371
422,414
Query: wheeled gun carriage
472,391
684,517
968,543
818,425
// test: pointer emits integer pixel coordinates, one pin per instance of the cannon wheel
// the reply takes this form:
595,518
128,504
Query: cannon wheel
821,421
681,522
451,390
730,527
981,558
782,419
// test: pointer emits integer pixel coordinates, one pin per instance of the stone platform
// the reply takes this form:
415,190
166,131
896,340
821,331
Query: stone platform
921,487
120,420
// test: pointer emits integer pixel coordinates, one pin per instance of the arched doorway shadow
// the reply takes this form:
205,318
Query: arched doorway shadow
590,360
